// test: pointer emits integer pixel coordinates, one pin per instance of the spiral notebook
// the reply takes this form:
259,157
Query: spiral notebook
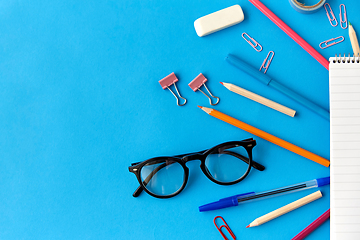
344,76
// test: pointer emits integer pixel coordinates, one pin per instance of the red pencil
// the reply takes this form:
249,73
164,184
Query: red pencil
315,224
299,40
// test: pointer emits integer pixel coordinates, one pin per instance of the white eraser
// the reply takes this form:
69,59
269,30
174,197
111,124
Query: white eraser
219,20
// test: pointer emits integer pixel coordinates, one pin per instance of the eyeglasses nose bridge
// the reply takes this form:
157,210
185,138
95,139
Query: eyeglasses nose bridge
191,157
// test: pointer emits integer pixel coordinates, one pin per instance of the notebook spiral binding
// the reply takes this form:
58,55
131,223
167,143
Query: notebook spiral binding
347,59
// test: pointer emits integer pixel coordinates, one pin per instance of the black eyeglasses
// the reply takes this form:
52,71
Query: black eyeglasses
165,177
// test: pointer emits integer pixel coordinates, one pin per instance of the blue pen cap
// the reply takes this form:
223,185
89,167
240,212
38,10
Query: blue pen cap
218,205
222,203
323,181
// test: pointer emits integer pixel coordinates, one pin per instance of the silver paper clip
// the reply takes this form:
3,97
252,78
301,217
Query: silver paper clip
224,226
331,42
252,42
265,65
330,15
169,80
343,17
197,83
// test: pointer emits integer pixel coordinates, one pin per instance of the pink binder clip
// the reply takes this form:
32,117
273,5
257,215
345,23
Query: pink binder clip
343,17
225,226
330,15
252,42
197,83
169,80
265,65
331,42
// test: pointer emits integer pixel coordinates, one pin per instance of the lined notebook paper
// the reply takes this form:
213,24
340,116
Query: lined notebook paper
344,148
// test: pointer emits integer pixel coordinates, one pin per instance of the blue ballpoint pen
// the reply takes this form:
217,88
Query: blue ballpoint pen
252,196
264,78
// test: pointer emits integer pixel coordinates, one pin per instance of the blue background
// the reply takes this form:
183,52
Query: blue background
80,101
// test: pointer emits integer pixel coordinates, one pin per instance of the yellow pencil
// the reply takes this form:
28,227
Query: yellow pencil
266,136
353,40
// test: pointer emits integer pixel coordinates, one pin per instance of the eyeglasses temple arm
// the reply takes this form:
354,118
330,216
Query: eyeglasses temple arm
254,164
138,191
257,166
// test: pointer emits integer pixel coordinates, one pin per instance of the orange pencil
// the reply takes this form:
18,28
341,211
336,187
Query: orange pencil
266,136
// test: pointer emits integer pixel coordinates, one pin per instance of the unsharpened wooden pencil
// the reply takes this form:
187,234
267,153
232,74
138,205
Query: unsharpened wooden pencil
257,98
285,209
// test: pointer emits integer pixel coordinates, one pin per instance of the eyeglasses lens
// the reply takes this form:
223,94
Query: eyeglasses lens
163,177
227,165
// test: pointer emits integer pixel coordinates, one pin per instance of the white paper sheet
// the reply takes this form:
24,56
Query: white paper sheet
344,149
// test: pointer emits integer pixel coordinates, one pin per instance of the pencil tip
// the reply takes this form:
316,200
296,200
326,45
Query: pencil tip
222,83
248,226
349,23
200,106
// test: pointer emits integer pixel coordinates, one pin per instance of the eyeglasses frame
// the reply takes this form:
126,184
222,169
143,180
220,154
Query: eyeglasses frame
182,159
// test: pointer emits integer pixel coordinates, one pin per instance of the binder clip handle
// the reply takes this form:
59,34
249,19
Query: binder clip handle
177,99
197,83
169,80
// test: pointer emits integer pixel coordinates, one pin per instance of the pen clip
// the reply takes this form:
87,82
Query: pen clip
236,196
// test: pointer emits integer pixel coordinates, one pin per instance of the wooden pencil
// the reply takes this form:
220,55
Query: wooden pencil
257,98
315,224
285,209
266,136
354,40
